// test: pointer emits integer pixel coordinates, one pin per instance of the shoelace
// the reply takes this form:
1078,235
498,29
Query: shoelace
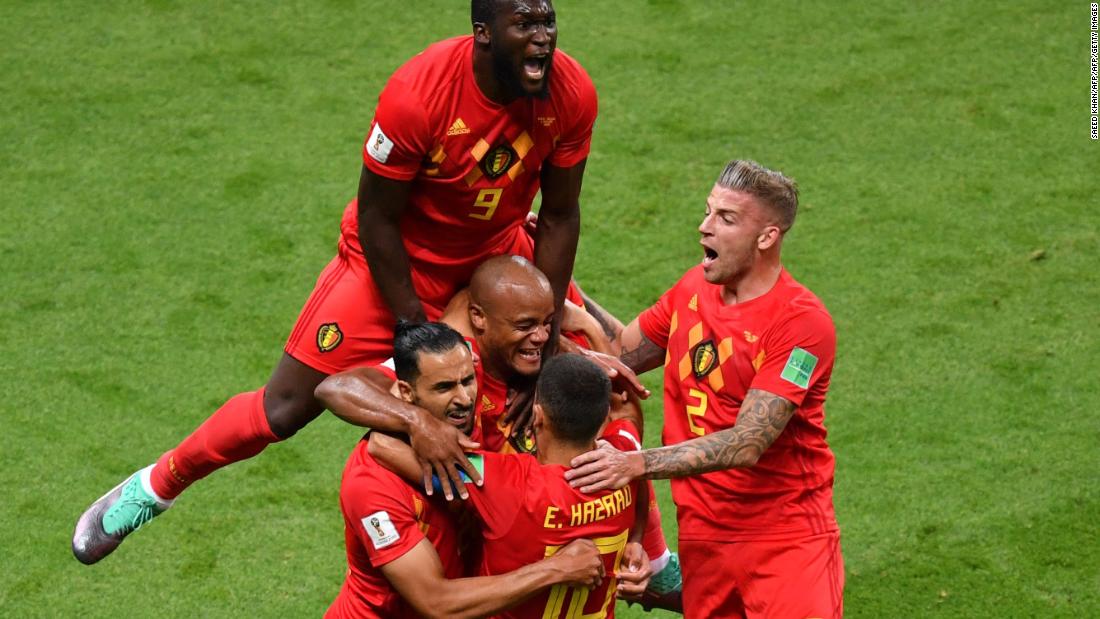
142,514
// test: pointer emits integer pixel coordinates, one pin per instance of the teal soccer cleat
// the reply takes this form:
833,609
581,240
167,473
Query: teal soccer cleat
665,588
108,521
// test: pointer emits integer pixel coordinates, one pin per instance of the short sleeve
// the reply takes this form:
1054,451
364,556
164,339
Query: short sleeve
576,140
383,518
399,136
656,322
799,352
622,434
500,498
387,368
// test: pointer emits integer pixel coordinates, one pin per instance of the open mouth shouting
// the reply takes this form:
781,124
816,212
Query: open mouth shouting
709,256
534,67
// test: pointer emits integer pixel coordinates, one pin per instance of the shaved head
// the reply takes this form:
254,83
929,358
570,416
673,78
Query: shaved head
499,281
511,312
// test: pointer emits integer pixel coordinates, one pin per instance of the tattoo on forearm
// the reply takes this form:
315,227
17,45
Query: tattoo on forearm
763,416
645,356
597,312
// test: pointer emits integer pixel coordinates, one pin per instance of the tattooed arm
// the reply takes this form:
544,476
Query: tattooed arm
611,325
638,352
763,416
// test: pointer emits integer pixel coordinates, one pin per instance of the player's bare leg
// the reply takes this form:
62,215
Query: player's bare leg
240,429
289,404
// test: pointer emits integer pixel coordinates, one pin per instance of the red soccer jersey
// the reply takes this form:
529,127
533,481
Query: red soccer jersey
783,342
492,403
528,511
474,164
384,517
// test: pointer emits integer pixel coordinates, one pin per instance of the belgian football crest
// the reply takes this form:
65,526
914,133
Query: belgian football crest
704,358
329,336
498,160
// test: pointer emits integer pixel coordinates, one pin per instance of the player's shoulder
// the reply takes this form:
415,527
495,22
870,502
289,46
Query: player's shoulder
623,435
801,310
569,70
512,462
691,282
570,81
800,299
507,478
439,65
365,477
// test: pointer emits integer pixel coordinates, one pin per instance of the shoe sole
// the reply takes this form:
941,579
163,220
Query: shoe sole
90,542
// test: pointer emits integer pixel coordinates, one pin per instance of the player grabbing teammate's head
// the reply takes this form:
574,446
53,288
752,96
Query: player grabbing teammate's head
511,308
571,401
748,211
435,371
516,40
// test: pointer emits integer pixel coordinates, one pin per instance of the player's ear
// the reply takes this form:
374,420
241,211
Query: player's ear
481,33
477,317
538,418
405,390
768,237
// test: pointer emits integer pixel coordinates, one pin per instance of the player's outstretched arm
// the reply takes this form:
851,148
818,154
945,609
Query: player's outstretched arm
762,417
361,397
637,351
400,458
611,325
622,377
418,577
558,230
381,202
575,318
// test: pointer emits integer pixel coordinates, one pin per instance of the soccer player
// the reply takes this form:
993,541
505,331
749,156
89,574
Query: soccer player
464,136
748,353
528,510
505,316
402,548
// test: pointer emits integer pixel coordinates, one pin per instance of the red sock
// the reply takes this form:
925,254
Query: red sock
236,431
653,541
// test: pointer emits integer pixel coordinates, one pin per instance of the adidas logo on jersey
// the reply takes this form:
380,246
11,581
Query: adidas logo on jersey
458,128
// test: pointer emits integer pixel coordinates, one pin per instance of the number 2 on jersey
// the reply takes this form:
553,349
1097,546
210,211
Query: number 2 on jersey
697,410
610,547
487,199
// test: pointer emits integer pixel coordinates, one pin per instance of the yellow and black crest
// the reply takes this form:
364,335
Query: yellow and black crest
498,160
704,358
329,336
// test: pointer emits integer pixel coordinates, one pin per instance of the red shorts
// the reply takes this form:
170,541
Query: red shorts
794,579
345,323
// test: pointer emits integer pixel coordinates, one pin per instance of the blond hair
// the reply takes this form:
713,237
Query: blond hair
775,190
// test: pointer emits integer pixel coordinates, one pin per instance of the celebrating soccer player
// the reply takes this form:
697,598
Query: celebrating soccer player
505,316
403,548
526,508
748,353
464,136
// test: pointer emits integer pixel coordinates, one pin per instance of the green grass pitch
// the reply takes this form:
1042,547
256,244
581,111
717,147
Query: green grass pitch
172,175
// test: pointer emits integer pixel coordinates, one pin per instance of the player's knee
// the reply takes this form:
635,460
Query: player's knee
288,411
